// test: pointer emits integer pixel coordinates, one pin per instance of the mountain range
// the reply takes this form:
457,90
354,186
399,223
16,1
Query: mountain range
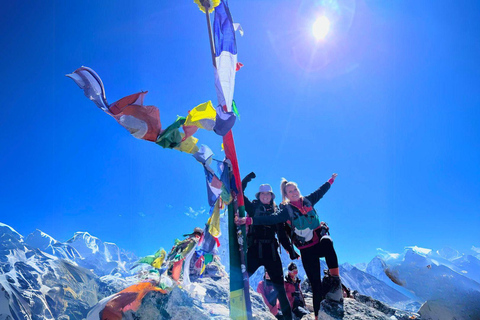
42,278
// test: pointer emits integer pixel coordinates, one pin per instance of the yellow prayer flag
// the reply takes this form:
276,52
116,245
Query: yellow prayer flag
157,263
212,5
202,116
189,145
214,221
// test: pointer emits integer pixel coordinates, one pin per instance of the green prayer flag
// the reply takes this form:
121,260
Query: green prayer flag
234,109
171,137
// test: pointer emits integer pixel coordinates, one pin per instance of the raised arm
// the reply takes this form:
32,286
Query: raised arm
248,204
318,194
247,179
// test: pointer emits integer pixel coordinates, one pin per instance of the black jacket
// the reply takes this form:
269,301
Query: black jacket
264,235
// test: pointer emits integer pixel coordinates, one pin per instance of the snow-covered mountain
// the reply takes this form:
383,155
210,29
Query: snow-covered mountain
432,277
37,285
102,257
46,243
376,267
87,251
42,278
448,253
361,266
367,284
469,266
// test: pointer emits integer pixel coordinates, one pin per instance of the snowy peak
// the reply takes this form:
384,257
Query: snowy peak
418,258
376,266
86,244
347,266
102,257
449,253
48,244
362,266
40,240
420,251
369,285
7,231
83,249
433,278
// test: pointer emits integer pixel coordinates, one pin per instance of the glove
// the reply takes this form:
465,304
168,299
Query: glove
247,179
323,230
251,176
332,179
293,255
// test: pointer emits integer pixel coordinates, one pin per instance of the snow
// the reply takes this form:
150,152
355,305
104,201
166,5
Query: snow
421,251
387,255
425,274
5,229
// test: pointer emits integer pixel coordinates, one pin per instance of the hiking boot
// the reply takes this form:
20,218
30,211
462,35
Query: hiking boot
332,288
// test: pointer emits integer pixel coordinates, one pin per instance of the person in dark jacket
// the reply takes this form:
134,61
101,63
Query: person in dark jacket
294,291
309,235
262,245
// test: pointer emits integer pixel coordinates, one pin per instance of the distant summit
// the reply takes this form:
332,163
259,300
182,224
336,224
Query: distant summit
102,257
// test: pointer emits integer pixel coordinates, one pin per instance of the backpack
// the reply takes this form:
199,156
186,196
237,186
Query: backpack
304,227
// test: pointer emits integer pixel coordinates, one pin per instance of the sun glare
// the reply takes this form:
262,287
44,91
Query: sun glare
321,28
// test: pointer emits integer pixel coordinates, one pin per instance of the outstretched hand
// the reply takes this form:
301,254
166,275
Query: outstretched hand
243,221
332,179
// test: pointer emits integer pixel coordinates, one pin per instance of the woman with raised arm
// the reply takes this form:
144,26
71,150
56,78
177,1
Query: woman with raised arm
309,235
262,245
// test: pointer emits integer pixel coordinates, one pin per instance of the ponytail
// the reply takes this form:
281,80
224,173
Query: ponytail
283,186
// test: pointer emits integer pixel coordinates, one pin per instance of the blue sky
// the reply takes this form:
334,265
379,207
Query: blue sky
389,101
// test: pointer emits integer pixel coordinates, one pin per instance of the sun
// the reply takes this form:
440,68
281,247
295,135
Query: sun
321,27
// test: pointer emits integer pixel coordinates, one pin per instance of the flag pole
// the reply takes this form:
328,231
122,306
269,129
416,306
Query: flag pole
236,235
210,34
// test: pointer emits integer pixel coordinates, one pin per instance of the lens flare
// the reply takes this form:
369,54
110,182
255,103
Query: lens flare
321,28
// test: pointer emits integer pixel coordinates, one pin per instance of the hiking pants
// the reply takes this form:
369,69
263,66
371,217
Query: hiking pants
311,263
273,265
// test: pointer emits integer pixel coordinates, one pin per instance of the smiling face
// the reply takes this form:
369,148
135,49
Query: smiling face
292,193
265,197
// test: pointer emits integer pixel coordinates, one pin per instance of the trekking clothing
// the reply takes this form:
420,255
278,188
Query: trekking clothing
302,217
262,248
308,235
269,295
311,263
295,296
